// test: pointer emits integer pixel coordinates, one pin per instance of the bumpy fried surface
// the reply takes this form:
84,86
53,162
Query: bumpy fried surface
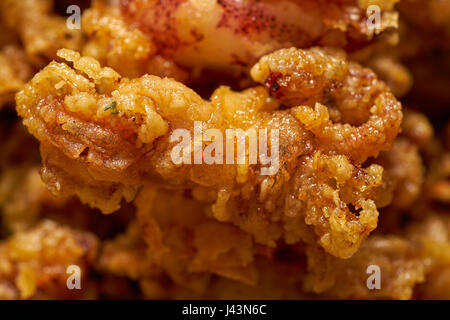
430,69
103,157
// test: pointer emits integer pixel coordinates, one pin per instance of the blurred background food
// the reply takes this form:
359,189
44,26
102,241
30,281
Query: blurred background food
360,183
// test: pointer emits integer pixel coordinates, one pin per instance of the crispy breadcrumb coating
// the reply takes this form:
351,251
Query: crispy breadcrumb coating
101,156
356,103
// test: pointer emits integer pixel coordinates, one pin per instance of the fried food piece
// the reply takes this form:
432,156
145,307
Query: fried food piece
103,35
22,194
437,185
41,31
418,171
395,74
231,35
14,72
33,34
357,103
25,199
175,275
174,249
120,46
226,231
405,167
178,222
103,155
173,238
434,235
280,278
139,37
33,263
408,264
399,262
437,156
425,50
417,128
22,191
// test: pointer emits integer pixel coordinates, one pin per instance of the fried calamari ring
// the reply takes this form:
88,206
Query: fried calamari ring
363,117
